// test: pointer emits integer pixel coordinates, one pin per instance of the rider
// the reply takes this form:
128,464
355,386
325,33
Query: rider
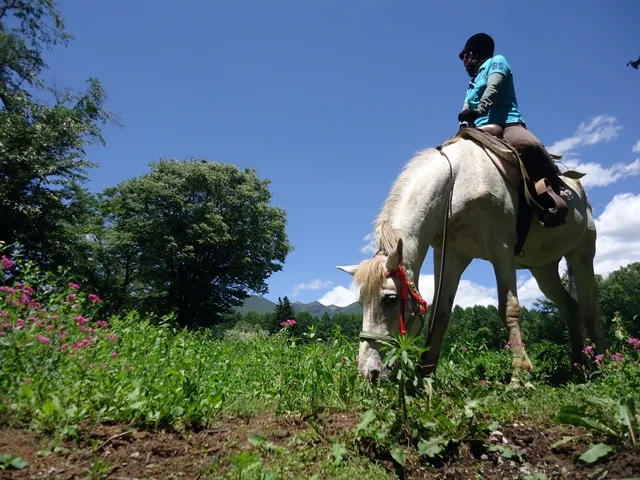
491,100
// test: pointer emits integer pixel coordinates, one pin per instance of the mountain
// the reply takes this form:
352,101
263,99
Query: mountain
259,304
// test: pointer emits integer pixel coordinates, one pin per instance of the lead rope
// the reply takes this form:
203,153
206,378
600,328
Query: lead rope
436,302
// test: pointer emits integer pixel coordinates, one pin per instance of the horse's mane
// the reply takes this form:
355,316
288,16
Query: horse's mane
371,272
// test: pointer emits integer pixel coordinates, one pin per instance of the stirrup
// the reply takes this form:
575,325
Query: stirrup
556,216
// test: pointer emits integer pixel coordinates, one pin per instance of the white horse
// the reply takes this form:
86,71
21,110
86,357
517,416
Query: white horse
482,211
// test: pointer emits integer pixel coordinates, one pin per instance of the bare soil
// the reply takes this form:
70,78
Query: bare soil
127,453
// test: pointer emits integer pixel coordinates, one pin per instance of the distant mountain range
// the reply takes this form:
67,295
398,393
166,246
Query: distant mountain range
259,304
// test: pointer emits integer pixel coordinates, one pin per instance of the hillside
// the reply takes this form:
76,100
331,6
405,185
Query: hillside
259,304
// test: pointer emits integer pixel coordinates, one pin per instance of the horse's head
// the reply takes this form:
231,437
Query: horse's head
386,295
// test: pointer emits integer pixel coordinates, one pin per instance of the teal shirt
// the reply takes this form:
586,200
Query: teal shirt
505,105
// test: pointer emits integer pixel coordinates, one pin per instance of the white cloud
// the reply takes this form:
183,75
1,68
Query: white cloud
370,246
469,293
618,230
340,296
316,284
602,128
636,147
599,176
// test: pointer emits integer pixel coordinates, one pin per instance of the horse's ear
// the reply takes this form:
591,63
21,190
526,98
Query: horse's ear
395,258
350,269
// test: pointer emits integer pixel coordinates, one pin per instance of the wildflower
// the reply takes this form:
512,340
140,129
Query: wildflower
599,358
71,298
6,263
617,357
484,382
94,298
112,337
588,350
80,320
102,324
73,285
507,346
43,339
114,355
288,322
20,323
632,341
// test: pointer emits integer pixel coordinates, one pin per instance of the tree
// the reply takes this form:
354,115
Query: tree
620,292
200,235
284,310
42,146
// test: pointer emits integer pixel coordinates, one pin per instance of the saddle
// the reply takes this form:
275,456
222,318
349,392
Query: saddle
515,171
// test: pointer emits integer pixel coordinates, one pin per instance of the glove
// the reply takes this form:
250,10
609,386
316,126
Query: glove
468,116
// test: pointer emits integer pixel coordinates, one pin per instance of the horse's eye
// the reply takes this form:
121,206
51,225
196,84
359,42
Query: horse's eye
389,299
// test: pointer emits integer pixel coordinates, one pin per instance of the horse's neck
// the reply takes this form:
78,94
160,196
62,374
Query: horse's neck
419,211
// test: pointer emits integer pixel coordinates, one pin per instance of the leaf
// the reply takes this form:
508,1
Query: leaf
257,440
367,418
338,450
432,447
562,441
12,462
505,452
576,416
398,455
595,452
625,415
19,463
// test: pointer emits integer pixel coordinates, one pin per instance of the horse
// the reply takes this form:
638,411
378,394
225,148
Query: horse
457,199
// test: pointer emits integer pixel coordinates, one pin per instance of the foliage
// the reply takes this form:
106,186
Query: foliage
65,365
191,237
42,145
284,310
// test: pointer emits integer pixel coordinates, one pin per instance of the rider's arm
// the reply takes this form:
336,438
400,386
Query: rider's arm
489,95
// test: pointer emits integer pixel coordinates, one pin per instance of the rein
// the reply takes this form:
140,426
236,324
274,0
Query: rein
409,292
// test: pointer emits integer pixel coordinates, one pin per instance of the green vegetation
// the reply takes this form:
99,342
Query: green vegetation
65,368
128,310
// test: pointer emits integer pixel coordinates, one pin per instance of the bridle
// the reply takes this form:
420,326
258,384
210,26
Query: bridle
408,292
410,301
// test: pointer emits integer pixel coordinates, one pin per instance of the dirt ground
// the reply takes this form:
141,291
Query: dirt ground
120,452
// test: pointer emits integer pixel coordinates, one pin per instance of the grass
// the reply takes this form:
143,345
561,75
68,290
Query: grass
63,369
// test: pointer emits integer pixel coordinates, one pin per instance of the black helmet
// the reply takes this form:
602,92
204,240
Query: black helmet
480,43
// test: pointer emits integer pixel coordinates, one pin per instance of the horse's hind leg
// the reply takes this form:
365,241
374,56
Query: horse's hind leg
509,308
549,282
580,262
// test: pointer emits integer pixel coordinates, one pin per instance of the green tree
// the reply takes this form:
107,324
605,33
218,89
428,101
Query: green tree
284,310
42,144
200,236
620,292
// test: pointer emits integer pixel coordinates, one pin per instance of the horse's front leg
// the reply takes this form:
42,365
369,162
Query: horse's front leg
453,269
510,311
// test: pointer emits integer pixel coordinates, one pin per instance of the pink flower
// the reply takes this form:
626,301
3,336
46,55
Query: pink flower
75,286
588,350
507,346
44,339
102,324
94,298
80,320
617,357
6,263
114,355
71,298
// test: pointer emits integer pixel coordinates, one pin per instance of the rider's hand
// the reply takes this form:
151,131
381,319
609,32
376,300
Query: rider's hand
468,116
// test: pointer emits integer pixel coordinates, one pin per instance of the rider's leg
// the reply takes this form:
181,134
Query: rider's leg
539,165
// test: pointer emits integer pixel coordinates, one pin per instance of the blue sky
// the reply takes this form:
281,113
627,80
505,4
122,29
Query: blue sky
330,99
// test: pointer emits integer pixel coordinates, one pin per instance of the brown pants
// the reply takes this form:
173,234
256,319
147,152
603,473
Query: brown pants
535,157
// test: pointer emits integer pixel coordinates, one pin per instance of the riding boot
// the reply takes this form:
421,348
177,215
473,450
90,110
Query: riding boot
544,173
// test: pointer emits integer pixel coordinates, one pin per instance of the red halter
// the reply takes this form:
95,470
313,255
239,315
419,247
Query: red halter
406,288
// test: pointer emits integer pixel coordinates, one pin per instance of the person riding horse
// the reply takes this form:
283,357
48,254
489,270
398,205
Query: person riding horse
490,104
